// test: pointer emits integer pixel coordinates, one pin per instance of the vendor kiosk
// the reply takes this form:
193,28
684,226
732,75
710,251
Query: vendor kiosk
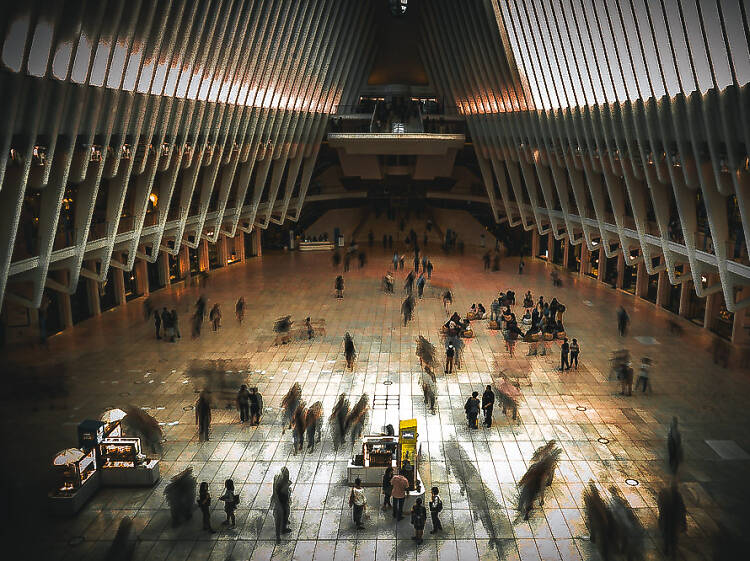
78,480
381,451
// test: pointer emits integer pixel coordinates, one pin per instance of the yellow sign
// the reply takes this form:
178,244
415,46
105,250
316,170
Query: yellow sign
407,435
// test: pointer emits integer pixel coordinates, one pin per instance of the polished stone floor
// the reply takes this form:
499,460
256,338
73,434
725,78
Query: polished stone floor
114,360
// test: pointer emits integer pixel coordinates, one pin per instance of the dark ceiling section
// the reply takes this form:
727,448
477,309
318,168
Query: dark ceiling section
397,60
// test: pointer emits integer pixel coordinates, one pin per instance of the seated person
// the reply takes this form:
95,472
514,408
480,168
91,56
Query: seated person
455,318
526,319
510,297
480,310
388,282
528,300
548,327
473,309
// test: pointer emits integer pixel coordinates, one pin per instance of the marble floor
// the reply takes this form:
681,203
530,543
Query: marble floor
115,360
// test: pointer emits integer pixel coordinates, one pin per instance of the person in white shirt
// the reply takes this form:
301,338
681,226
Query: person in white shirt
358,501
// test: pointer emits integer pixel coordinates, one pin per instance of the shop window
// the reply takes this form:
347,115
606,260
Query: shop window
672,302
629,278
593,264
696,308
723,323
574,258
652,288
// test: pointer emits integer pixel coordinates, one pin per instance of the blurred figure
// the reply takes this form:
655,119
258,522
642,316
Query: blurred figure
407,308
598,519
337,421
447,299
309,328
488,403
239,309
281,327
622,321
147,428
314,424
409,283
289,404
426,353
157,323
643,374
674,446
672,518
180,494
339,285
203,416
357,417
215,317
281,499
336,258
123,546
538,477
298,427
350,353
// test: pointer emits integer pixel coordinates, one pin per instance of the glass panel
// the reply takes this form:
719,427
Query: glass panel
15,43
81,63
40,48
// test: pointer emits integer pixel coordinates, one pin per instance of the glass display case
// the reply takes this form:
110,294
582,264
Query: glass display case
75,472
121,452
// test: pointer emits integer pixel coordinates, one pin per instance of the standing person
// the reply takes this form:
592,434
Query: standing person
243,403
314,424
395,261
401,263
358,502
347,260
230,503
450,353
488,403
339,285
157,323
418,520
256,406
429,269
239,309
622,321
215,317
350,353
203,416
436,507
281,499
298,428
309,328
399,486
420,285
564,351
643,374
166,319
409,283
204,503
387,487
521,265
575,350
424,263
447,299
472,410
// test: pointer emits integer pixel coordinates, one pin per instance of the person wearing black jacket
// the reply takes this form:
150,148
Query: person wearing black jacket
564,350
488,402
256,406
157,323
436,507
472,410
243,403
418,520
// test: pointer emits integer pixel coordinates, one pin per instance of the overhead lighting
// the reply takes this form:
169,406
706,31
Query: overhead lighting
153,198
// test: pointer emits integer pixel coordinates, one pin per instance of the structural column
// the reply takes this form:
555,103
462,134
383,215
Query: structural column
221,250
741,325
534,243
118,276
550,247
239,245
620,270
203,255
585,259
183,258
710,310
566,251
256,242
641,280
141,277
685,289
66,311
163,264
92,289
602,264
662,286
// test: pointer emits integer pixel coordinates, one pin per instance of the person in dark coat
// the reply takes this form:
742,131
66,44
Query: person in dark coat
420,285
256,406
339,285
180,495
472,410
281,499
204,503
314,424
488,403
672,518
350,353
622,321
436,507
157,323
387,487
243,403
203,416
418,520
564,350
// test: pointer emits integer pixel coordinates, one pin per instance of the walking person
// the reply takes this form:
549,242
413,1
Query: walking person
674,446
488,403
239,309
387,487
643,374
175,325
521,265
450,354
472,410
395,261
157,323
350,353
230,503
339,285
436,507
358,502
622,321
243,403
281,499
418,520
429,269
420,285
575,350
204,503
203,416
215,317
564,351
399,487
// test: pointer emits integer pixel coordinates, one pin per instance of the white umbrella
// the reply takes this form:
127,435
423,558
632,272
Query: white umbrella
112,415
67,457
